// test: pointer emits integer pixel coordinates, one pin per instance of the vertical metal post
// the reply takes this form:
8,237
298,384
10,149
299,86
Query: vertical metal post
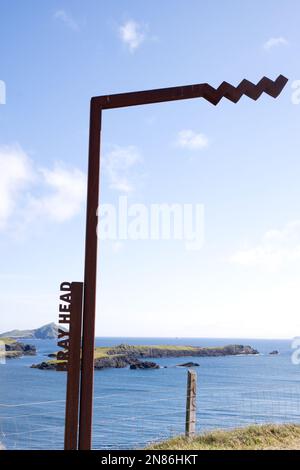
73,367
90,277
190,422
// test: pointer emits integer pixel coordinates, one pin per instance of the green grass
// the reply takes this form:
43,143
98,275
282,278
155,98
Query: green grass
134,348
285,436
165,346
7,340
101,352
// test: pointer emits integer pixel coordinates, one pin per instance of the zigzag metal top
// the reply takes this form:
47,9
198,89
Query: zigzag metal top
202,90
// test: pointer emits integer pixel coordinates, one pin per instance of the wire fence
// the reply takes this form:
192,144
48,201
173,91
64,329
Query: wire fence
149,407
32,425
159,413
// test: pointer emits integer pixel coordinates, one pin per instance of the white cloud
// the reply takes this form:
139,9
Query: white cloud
274,42
118,163
277,249
132,34
29,193
15,175
67,19
66,193
191,140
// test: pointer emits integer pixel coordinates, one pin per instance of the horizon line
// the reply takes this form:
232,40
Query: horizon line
197,337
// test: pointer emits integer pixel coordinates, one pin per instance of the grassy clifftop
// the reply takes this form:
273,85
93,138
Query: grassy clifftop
144,351
285,436
156,351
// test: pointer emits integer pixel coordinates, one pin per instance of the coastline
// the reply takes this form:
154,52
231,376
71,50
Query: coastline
125,355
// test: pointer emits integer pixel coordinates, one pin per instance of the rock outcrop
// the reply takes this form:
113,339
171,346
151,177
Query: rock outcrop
117,362
189,364
15,349
144,365
45,365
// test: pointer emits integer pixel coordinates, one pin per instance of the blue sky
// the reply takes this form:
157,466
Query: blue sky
240,161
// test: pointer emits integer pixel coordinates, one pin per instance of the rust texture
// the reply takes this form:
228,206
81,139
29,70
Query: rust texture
202,90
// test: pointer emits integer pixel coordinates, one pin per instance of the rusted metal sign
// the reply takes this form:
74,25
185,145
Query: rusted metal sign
70,314
70,309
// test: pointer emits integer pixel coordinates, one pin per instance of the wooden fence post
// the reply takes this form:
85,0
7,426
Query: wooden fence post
190,421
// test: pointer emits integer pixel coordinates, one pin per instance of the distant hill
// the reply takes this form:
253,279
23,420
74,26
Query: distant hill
49,331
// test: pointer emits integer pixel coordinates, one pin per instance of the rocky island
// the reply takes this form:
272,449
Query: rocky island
13,349
126,355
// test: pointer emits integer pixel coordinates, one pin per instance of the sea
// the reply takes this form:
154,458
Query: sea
136,408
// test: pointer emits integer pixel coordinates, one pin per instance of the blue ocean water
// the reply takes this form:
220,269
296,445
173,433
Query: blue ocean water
133,408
